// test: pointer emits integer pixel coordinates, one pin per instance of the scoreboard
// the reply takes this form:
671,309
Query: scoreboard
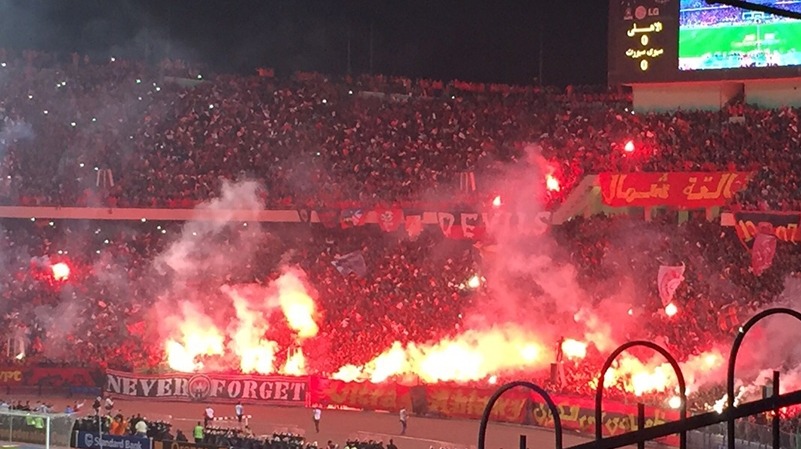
653,41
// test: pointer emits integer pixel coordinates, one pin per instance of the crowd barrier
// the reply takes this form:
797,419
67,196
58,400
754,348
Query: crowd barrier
184,445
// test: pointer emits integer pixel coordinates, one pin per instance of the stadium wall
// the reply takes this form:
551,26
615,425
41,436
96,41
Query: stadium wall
714,95
773,93
704,96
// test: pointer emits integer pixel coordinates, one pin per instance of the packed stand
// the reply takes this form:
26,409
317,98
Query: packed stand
80,132
413,290
115,133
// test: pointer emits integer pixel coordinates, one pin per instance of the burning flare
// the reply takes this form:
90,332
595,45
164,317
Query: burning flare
61,271
196,334
551,183
473,355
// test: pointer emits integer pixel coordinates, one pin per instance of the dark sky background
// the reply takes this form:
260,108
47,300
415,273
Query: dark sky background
479,41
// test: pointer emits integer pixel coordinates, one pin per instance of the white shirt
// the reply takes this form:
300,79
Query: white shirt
240,410
209,412
317,414
141,427
403,414
109,403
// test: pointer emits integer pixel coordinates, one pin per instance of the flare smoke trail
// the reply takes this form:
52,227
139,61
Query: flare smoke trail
206,314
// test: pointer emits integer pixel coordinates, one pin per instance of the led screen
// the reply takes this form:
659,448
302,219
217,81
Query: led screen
716,37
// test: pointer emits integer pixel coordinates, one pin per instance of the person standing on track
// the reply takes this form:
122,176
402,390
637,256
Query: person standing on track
239,410
198,433
208,416
403,417
316,415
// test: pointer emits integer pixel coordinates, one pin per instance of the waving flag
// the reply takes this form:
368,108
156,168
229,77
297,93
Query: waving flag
668,281
352,217
762,253
351,263
389,220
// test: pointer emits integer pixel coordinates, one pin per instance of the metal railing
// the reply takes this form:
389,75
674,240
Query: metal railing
748,435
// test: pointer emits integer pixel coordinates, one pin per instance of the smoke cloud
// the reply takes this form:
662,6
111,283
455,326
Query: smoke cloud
212,314
14,131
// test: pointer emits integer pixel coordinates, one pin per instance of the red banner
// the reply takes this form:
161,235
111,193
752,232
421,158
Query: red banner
785,226
361,395
62,377
10,376
515,406
693,190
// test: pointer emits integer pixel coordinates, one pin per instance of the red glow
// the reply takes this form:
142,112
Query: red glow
629,147
552,184
61,271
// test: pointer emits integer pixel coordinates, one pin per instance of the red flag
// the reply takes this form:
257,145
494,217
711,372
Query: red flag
668,281
762,253
389,220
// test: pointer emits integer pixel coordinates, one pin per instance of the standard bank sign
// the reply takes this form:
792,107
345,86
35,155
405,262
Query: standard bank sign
88,440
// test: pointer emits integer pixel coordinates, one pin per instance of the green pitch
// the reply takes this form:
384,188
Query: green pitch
697,42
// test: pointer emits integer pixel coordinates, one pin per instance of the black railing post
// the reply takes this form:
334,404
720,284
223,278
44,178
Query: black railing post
735,348
640,422
557,419
523,444
599,392
777,441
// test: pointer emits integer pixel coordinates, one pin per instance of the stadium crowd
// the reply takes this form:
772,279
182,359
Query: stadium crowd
115,133
118,134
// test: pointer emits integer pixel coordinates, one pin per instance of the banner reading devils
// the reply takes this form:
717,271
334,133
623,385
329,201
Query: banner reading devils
692,190
477,226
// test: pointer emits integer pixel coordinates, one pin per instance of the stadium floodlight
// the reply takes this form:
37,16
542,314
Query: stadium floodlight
44,430
742,4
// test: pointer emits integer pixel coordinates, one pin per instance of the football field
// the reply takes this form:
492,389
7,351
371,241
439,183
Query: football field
698,44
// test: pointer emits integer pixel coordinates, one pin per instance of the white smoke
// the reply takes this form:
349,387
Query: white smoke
210,304
529,282
14,131
198,250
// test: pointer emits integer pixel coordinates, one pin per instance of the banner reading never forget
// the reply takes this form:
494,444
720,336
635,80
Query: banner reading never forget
277,390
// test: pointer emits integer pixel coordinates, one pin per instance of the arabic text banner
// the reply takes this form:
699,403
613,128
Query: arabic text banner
276,390
691,190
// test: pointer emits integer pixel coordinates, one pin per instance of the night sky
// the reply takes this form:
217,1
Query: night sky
488,41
